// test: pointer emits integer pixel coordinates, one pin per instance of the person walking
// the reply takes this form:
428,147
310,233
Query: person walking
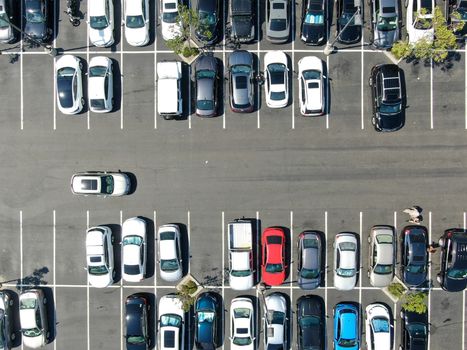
414,214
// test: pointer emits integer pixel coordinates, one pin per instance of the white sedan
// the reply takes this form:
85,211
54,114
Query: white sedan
420,20
170,260
276,73
100,256
171,323
345,261
242,330
33,318
275,322
100,184
378,327
136,21
134,249
311,86
170,27
68,72
101,22
100,84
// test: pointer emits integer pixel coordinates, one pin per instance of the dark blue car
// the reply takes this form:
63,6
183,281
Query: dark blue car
414,255
136,319
206,320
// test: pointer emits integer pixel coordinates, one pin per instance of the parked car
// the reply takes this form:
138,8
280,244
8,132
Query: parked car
170,26
69,73
242,324
276,71
100,256
278,21
134,249
33,318
242,20
36,20
311,323
419,16
378,327
346,257
346,327
453,267
169,89
387,97
314,17
381,255
207,79
414,257
311,86
273,266
136,20
309,260
385,23
7,16
414,331
101,22
100,84
137,325
346,10
241,81
210,16
171,331
275,322
240,245
100,183
7,331
170,255
206,321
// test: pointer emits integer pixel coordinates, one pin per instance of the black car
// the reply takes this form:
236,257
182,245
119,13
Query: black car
206,320
37,19
414,331
414,255
209,15
310,322
346,11
7,333
206,78
387,97
453,273
242,20
136,311
313,30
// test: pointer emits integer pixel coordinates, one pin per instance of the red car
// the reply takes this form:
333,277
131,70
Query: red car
273,267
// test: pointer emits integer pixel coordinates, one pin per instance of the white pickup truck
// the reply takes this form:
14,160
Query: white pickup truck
241,273
169,89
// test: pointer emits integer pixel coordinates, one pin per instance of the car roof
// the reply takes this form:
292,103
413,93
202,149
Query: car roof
134,314
133,7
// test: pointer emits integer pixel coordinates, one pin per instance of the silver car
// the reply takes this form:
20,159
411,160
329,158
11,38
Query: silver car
241,81
7,33
309,260
382,255
385,23
277,21
206,78
346,257
170,258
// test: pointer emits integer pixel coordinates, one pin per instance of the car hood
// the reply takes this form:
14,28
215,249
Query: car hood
351,34
34,342
137,36
308,283
344,283
385,39
36,30
101,37
313,34
121,184
414,279
242,28
391,122
171,276
141,346
273,279
378,280
170,30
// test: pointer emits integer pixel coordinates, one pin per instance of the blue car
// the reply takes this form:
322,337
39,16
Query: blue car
206,321
346,327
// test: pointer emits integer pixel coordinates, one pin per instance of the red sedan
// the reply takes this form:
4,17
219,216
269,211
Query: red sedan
273,266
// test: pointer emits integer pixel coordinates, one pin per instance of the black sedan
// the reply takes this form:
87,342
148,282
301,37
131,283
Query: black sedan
37,20
414,331
209,18
206,77
313,22
347,14
310,322
414,255
136,311
206,320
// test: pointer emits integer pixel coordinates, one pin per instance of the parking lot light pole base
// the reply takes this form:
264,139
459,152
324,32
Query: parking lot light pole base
51,50
329,49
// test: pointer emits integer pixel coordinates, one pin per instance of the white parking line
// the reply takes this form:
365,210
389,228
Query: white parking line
88,43
121,295
362,77
189,97
21,244
224,19
328,87
223,265
361,260
155,66
87,294
326,258
156,244
465,89
429,279
188,221
54,231
431,93
293,62
258,30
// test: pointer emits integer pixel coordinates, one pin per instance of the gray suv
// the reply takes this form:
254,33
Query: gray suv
241,81
385,23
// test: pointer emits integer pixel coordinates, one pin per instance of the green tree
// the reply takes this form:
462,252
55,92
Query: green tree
415,302
185,294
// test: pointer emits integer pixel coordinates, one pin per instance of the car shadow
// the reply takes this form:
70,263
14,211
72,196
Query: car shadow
133,181
118,28
150,241
256,86
51,313
261,19
256,232
184,247
117,234
327,86
14,317
117,85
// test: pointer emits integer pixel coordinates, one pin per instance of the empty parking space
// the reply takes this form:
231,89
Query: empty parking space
12,116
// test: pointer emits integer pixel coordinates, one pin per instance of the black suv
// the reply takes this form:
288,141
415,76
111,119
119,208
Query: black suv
242,20
414,331
313,30
453,274
387,97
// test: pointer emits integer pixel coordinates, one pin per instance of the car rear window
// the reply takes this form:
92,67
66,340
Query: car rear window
95,259
313,85
389,9
170,6
278,6
169,339
274,240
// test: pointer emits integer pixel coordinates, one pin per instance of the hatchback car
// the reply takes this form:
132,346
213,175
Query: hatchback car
100,84
170,257
311,86
346,257
37,21
311,323
277,21
352,34
241,81
378,327
346,327
420,20
210,16
136,21
387,96
171,325
33,318
206,78
206,320
273,266
7,16
275,322
414,255
276,73
453,268
101,22
133,249
100,256
309,260
313,28
69,73
242,324
381,255
385,23
414,331
170,26
7,331
136,319
100,183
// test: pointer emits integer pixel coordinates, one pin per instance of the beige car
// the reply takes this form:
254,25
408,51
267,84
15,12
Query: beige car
382,255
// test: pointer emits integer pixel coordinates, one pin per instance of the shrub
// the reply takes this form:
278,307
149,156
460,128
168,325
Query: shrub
415,302
396,289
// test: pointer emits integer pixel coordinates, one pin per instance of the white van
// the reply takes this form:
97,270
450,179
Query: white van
169,91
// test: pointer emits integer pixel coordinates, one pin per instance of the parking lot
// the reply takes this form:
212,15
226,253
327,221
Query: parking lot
331,173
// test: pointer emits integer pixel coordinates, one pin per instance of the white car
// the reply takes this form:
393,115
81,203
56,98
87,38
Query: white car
275,322
311,86
420,20
100,184
276,73
136,21
69,76
242,324
170,27
170,259
345,261
171,323
100,256
100,85
33,318
133,249
378,327
101,22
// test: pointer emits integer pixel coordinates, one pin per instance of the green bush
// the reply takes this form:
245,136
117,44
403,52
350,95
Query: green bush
396,289
415,302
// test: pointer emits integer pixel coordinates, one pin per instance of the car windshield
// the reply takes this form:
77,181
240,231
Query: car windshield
347,343
169,265
32,332
277,95
383,269
415,268
205,105
241,68
242,313
417,330
380,325
345,272
390,108
386,24
107,186
4,22
311,74
131,269
205,74
307,273
273,268
240,273
309,321
66,72
310,243
98,22
278,25
136,339
35,16
207,18
314,17
170,17
457,274
136,240
98,270
205,316
98,103
134,21
170,320
97,71
29,303
348,246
